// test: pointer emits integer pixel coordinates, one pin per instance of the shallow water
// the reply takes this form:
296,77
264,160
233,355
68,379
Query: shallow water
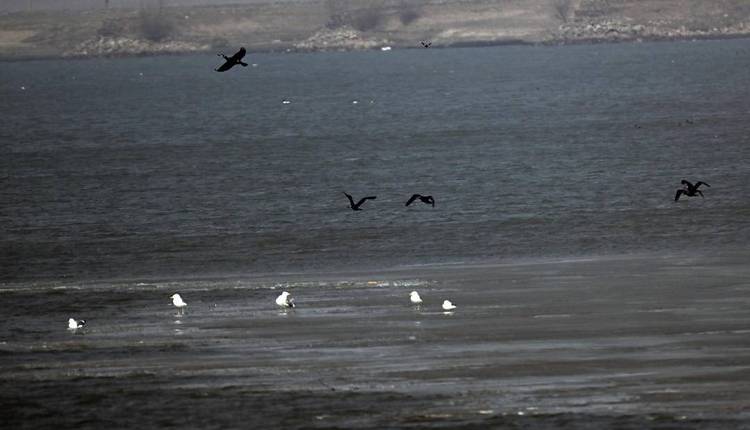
636,341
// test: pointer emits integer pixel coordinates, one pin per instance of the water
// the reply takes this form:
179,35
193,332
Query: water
584,293
160,167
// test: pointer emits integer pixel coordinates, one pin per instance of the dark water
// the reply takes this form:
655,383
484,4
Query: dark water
160,167
586,297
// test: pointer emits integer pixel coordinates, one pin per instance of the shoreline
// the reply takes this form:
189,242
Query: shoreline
328,25
457,45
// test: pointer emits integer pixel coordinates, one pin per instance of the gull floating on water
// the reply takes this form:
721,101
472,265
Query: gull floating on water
285,300
414,297
177,301
74,324
448,306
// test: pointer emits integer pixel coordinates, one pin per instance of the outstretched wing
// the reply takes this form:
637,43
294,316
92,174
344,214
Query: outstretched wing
239,55
411,200
699,183
226,66
679,193
363,199
351,201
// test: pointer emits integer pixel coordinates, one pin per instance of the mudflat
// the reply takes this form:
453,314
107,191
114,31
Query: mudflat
634,341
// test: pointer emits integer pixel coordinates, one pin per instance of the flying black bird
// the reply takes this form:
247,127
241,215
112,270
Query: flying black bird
426,44
355,207
428,200
232,61
689,189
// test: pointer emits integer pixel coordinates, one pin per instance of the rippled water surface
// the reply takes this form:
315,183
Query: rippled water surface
161,167
587,297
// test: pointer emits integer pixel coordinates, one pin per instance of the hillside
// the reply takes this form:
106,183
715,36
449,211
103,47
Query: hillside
365,24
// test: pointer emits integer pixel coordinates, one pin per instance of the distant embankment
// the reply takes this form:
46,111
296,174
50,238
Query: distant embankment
362,24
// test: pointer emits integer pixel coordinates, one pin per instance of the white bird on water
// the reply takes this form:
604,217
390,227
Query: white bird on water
448,306
414,297
177,301
74,324
285,300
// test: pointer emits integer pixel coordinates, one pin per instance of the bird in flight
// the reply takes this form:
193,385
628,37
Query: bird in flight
428,200
426,43
689,189
355,207
232,61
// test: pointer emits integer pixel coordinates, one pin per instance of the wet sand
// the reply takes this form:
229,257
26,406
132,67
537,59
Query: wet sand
633,342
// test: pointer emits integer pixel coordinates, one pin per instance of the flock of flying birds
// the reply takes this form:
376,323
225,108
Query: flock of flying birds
688,188
428,200
285,300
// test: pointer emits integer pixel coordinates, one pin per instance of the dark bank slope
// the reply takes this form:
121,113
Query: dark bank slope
349,25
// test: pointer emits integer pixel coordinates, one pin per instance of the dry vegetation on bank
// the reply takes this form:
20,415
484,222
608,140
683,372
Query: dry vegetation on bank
363,24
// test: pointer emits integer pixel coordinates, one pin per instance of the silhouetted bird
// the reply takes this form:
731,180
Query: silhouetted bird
689,189
426,44
232,61
428,200
355,207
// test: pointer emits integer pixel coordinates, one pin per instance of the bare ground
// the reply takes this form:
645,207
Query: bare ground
346,25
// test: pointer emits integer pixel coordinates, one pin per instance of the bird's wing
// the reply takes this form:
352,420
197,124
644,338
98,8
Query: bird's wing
699,183
363,199
351,201
226,66
679,193
239,54
413,197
